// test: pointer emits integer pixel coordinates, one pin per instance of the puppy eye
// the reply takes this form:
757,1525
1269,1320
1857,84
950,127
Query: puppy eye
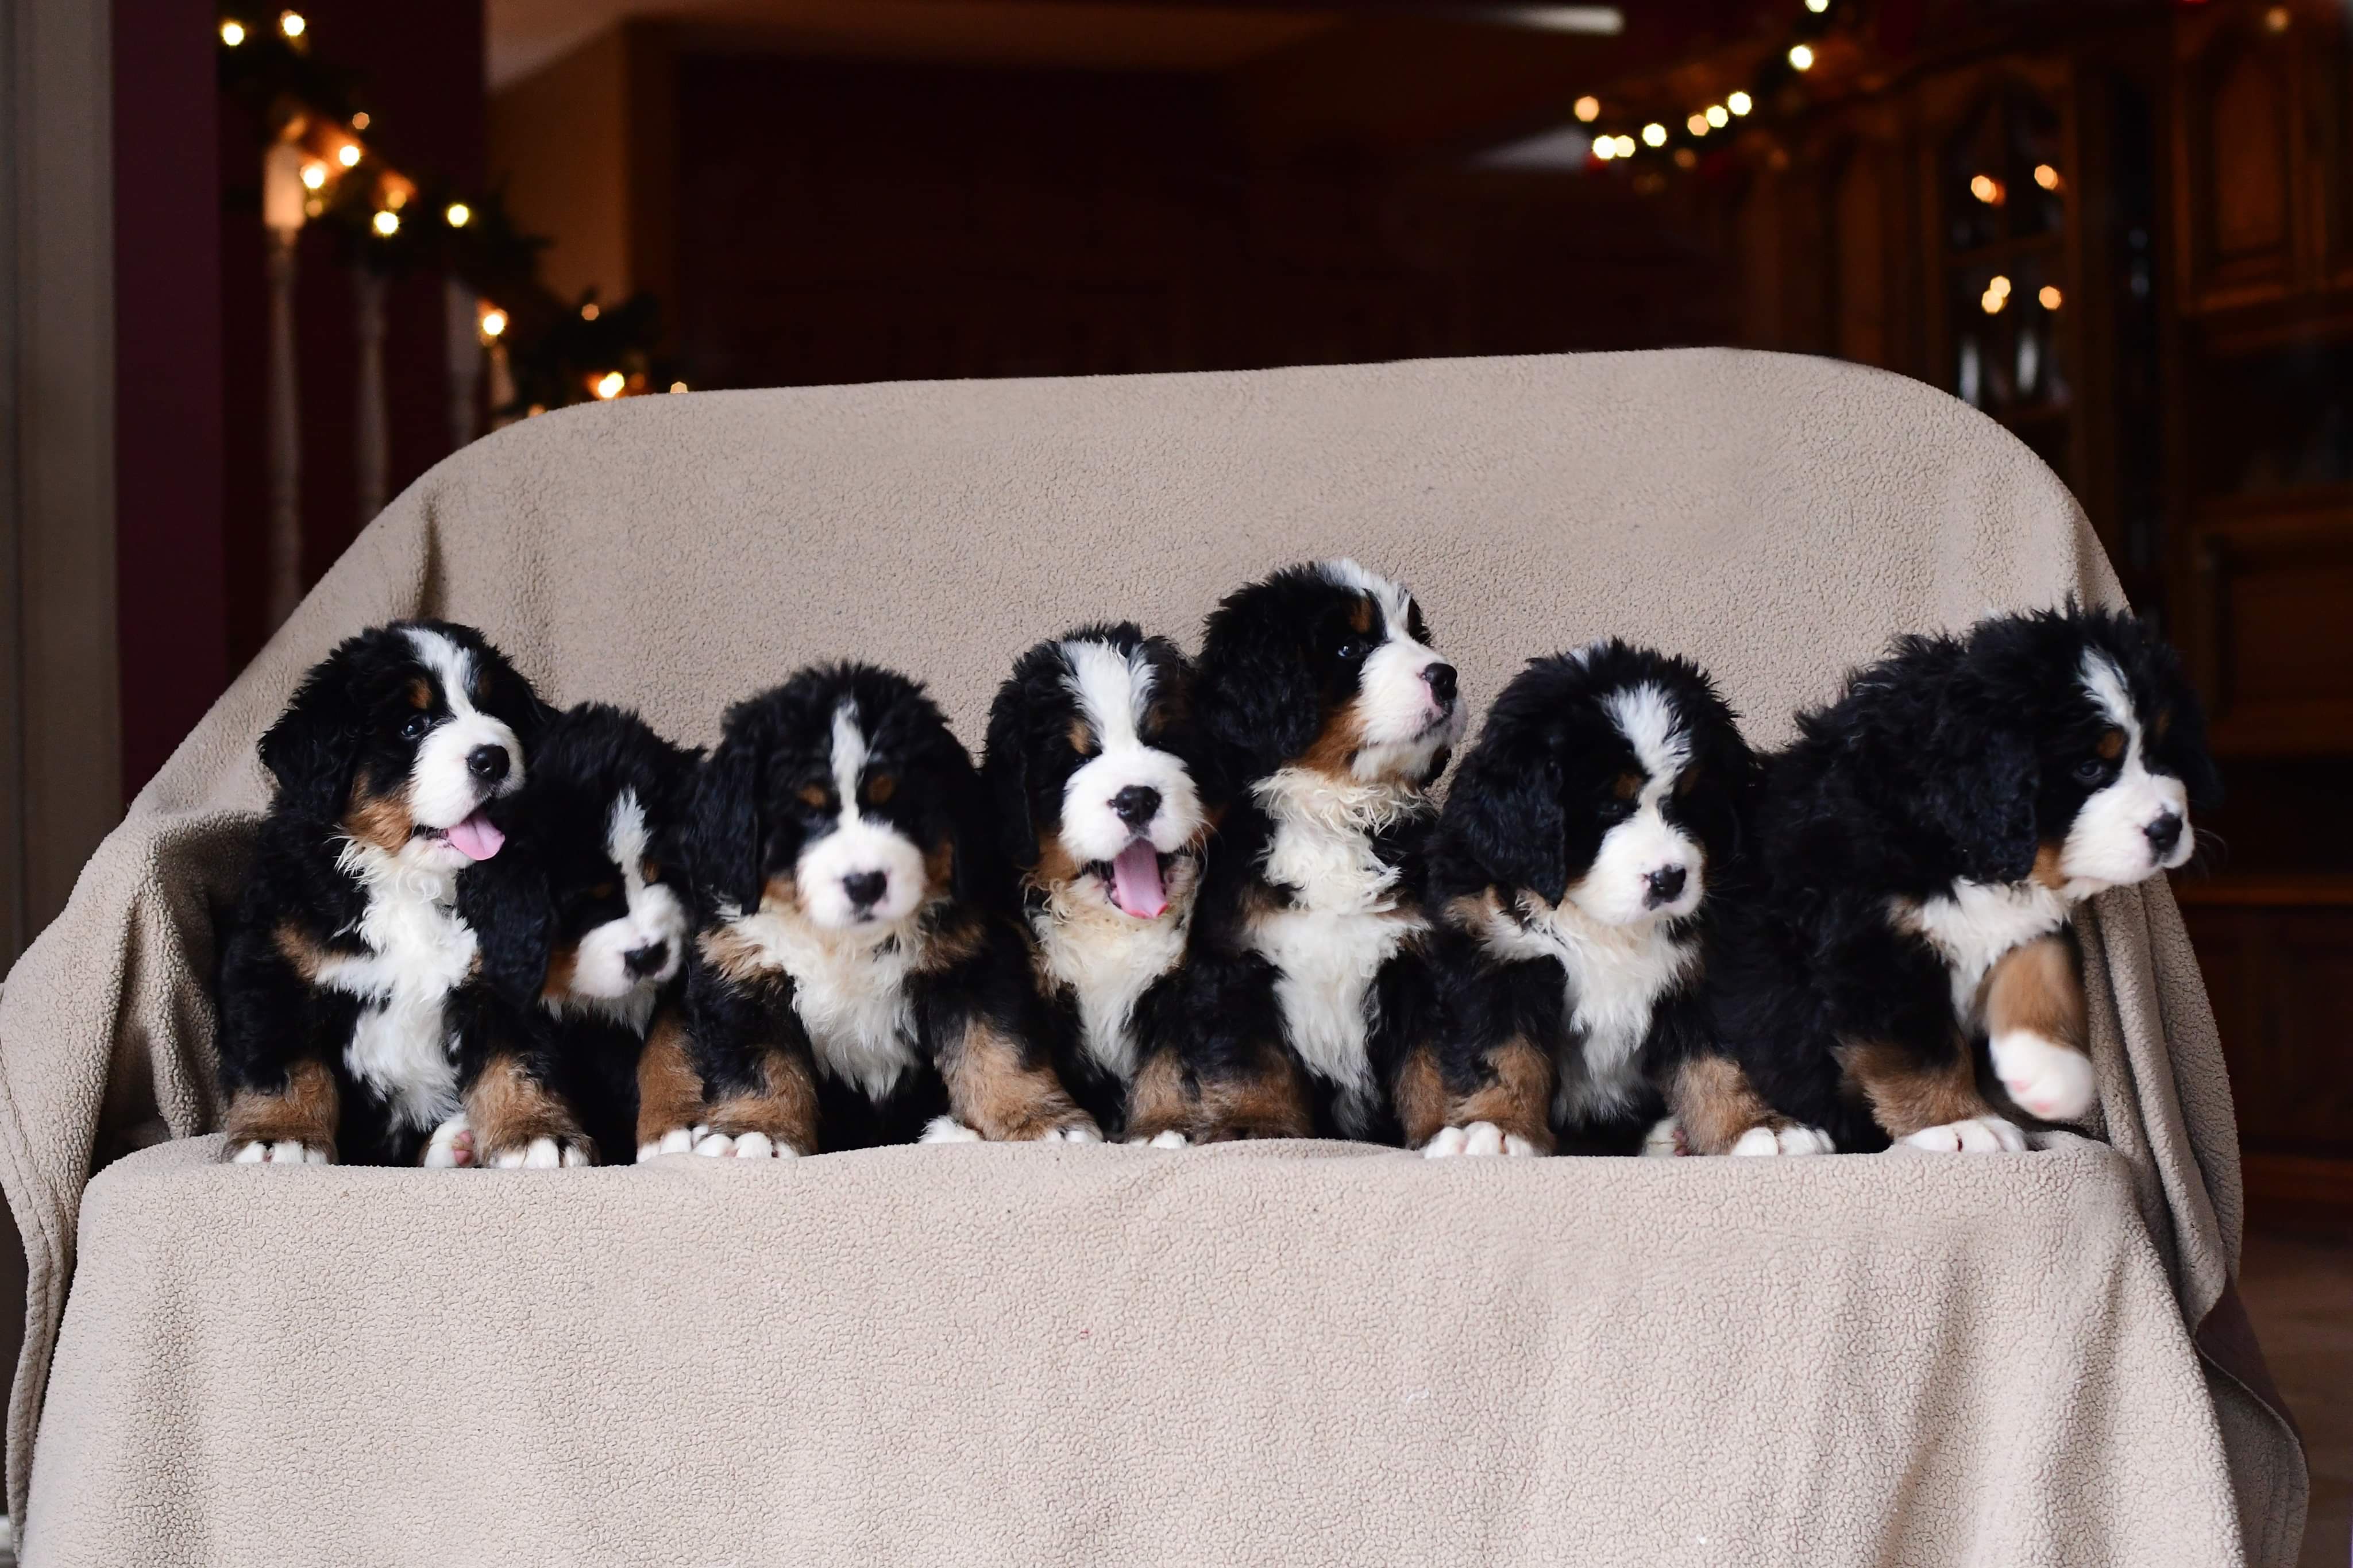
2091,770
816,796
879,788
413,730
1351,651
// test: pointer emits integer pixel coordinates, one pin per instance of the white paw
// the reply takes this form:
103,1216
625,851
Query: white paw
677,1141
1664,1141
542,1154
1080,1134
1446,1143
285,1152
946,1130
2047,1080
744,1146
1784,1140
1172,1139
1978,1135
451,1145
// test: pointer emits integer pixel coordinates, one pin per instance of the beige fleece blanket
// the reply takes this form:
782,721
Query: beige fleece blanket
1287,1353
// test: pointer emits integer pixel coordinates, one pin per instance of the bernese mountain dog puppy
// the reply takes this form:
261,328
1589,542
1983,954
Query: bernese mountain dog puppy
1090,761
347,942
583,926
1920,849
858,973
1327,716
1574,876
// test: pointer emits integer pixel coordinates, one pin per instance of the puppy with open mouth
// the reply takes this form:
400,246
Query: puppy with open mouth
1328,716
857,974
1090,761
347,944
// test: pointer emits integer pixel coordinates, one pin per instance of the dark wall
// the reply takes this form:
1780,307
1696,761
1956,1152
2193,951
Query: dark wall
841,222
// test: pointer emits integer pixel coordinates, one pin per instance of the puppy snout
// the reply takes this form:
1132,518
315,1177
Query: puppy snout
641,962
866,888
1665,885
1136,805
1441,681
488,764
2164,833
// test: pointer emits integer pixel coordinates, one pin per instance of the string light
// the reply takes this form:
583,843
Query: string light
360,121
610,385
1717,117
315,176
232,33
1992,302
1987,189
1655,135
1818,6
2275,20
1801,55
1605,148
589,311
290,23
314,208
348,154
1740,103
494,322
2050,297
1686,159
1625,146
2046,176
396,198
387,223
458,213
678,386
1696,124
1588,110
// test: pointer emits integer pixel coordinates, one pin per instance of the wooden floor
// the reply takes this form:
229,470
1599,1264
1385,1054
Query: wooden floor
2299,1291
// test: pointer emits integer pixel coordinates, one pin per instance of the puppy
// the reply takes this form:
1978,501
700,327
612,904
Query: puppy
347,943
1920,849
858,973
1329,716
1574,875
1090,763
583,928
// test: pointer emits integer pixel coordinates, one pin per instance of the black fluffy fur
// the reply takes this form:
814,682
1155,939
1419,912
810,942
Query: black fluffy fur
343,725
1526,818
1954,758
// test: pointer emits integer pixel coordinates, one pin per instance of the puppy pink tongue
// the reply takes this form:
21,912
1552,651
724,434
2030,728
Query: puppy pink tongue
1135,881
476,838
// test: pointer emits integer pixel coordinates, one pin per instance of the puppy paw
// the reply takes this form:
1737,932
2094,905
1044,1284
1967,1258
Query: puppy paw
1665,1140
542,1154
946,1130
2047,1080
1445,1143
1077,1133
1977,1135
1171,1138
677,1141
1792,1139
744,1146
452,1147
284,1151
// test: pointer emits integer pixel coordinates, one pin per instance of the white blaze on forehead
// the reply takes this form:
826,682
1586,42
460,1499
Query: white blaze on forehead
601,973
2105,682
849,757
1647,718
856,846
451,665
624,837
1394,601
1112,688
1615,890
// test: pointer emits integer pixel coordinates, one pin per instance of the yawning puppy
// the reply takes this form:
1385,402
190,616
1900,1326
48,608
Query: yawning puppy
583,931
1574,873
1920,849
1089,761
347,943
857,971
1330,716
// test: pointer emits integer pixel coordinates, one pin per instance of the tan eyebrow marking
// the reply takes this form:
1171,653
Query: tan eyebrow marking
814,795
1083,737
1627,786
420,692
879,788
1360,614
2111,744
2164,723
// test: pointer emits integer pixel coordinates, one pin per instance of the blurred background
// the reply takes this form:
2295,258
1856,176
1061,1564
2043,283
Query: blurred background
265,266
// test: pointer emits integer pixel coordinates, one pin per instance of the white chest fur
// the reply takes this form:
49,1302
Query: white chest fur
1979,922
1615,976
850,991
1108,960
419,950
1345,920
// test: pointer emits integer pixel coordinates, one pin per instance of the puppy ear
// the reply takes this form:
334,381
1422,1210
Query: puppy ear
726,819
1256,697
1504,818
507,902
1979,788
313,747
1005,771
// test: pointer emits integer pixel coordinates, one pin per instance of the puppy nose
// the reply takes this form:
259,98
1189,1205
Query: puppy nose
488,764
641,962
1136,805
2164,833
866,887
1441,683
1666,884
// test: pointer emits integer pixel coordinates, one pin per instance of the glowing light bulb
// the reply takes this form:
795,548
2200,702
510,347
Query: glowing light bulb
2275,20
589,312
1998,284
2046,176
1625,146
396,198
1605,148
348,154
678,386
1588,110
609,384
1717,117
494,322
290,23
315,176
1686,159
1987,189
1696,124
1818,6
1992,302
361,121
1655,135
1801,55
1740,103
2050,296
232,33
387,223
458,213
